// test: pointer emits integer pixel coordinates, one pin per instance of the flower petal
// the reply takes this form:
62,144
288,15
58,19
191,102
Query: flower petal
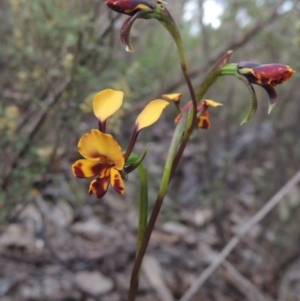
110,148
150,114
95,144
211,103
204,122
265,74
85,168
173,97
99,187
106,103
130,7
273,74
273,99
116,181
87,147
126,29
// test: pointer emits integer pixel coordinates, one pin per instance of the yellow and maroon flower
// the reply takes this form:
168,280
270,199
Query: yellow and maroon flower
103,157
267,76
203,114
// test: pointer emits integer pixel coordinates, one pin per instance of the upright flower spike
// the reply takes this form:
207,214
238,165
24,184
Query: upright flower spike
265,75
103,157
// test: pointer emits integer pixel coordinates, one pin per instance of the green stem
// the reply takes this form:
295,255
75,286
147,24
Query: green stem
178,133
229,69
213,75
168,22
143,210
210,79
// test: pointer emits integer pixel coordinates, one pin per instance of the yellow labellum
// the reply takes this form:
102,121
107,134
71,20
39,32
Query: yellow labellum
95,144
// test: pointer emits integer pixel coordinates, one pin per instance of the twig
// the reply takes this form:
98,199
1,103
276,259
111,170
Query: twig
242,283
266,209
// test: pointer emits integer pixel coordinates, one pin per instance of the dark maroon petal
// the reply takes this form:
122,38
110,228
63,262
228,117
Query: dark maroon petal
273,74
77,170
273,99
265,75
99,187
129,7
126,28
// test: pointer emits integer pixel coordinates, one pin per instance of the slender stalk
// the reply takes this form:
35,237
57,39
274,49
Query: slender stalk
168,22
209,80
131,144
143,210
180,130
156,209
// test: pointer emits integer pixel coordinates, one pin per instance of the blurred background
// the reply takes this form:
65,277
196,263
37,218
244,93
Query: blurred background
59,243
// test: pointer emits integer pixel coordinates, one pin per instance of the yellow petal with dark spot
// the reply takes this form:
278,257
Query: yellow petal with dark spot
99,187
85,168
106,103
116,181
151,113
88,147
95,144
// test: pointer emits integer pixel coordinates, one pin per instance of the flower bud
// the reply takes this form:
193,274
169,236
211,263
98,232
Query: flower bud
130,7
265,75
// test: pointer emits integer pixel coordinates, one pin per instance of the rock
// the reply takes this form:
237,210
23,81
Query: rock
111,297
6,284
93,227
153,272
31,214
18,235
175,228
62,213
93,283
31,290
